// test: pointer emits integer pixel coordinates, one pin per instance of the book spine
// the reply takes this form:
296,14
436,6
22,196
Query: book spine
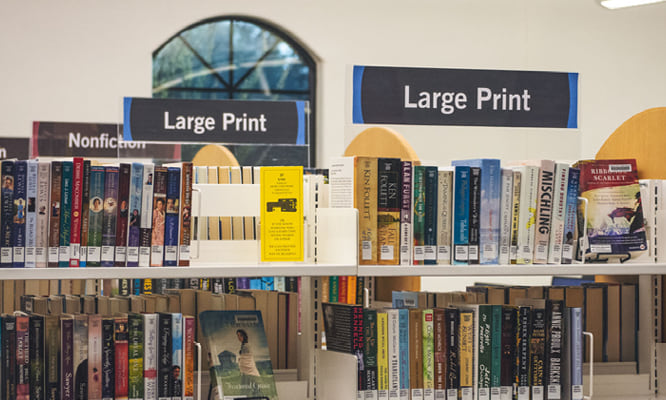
474,214
403,336
135,353
185,215
42,230
95,357
108,357
122,214
9,357
67,359
418,217
484,370
439,352
393,353
523,354
515,214
559,208
146,223
176,389
120,358
19,214
80,357
134,219
360,290
77,198
52,347
22,358
406,213
85,215
54,213
461,215
110,215
466,355
164,356
430,217
554,315
172,218
382,357
568,240
491,189
95,216
576,337
444,203
537,353
388,211
342,288
31,215
65,214
370,350
365,199
333,289
527,219
452,317
189,324
496,356
506,203
544,211
7,213
159,217
351,289
509,321
428,325
37,362
416,353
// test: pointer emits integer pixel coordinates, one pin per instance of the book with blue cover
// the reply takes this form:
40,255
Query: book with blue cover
568,246
240,359
19,213
461,190
134,219
172,218
491,182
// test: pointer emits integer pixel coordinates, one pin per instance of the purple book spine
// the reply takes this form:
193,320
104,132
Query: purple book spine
122,214
171,236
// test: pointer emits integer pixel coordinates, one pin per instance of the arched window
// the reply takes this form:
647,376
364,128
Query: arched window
244,59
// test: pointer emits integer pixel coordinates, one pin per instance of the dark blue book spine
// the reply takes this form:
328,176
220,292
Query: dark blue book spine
122,215
65,213
108,376
133,235
461,216
20,209
164,349
7,211
568,247
109,217
172,218
430,218
474,214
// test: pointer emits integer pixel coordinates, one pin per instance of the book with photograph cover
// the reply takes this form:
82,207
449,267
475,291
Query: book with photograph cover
239,355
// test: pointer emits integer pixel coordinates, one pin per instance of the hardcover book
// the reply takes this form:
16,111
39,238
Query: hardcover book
474,214
67,358
122,217
515,214
37,357
159,217
108,358
568,245
484,342
439,347
95,357
430,217
444,219
506,209
85,214
52,357
428,326
544,211
135,354
95,216
22,357
382,357
54,211
31,214
240,363
120,358
146,213
176,379
537,352
189,325
528,206
388,211
80,357
522,381
406,214
7,213
77,198
509,332
466,354
365,201
416,353
110,215
164,354
134,219
554,331
370,350
614,211
559,209
452,318
418,216
186,215
172,218
461,215
42,229
19,213
65,214
8,356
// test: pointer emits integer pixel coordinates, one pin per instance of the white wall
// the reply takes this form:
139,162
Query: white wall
74,60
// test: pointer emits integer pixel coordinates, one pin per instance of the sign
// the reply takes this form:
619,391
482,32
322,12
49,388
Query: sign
75,139
281,214
14,147
215,121
429,96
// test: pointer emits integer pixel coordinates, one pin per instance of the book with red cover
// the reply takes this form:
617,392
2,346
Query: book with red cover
77,207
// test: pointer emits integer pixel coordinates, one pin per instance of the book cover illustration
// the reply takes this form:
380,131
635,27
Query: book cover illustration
239,355
31,215
77,198
159,217
185,215
42,229
172,217
54,213
85,214
134,219
109,215
19,212
65,214
7,212
123,214
615,213
95,216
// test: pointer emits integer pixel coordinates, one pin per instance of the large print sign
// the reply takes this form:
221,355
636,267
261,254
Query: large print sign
429,96
218,121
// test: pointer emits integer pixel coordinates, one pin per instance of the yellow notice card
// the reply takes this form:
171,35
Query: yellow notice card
281,214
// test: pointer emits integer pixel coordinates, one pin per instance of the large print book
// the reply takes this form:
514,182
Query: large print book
444,220
146,221
85,214
7,214
54,211
614,212
65,213
110,215
365,200
544,214
95,216
134,219
388,211
159,217
430,216
172,218
406,213
31,215
240,361
461,215
185,214
42,229
77,206
19,213
122,217
571,210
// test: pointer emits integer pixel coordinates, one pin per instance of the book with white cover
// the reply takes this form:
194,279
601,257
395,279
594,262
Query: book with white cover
506,203
559,208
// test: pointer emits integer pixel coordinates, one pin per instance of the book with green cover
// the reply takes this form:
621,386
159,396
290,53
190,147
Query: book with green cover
484,342
238,349
428,355
333,289
496,351
135,356
418,221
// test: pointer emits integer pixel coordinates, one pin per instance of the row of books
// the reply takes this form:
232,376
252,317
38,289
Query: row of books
216,285
532,349
476,212
77,357
77,214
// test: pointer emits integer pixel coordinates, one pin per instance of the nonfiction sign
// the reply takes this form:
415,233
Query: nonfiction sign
15,147
429,96
75,139
217,121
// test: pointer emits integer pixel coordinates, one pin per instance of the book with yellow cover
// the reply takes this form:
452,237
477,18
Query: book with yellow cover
365,200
